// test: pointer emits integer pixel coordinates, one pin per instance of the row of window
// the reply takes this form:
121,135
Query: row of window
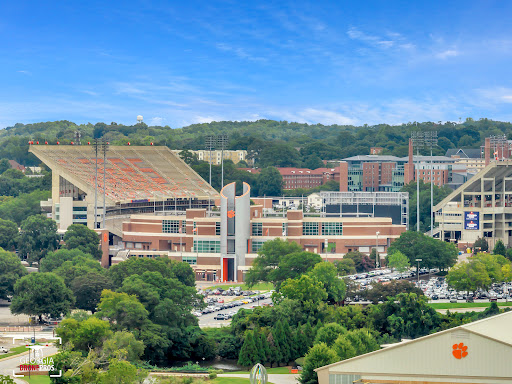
173,226
257,229
328,229
207,246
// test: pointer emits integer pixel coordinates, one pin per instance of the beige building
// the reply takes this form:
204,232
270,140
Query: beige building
216,155
475,353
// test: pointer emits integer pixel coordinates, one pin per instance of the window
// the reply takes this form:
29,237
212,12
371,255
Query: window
183,226
192,260
207,246
170,226
217,228
256,245
285,229
309,228
80,209
257,229
332,229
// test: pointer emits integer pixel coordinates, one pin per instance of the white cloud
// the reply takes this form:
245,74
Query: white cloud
156,121
28,73
447,53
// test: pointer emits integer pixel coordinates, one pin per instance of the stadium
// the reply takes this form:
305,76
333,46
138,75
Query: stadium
131,180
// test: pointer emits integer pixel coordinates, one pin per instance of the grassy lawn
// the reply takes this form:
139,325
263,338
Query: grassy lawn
277,370
230,380
38,379
255,287
465,305
14,351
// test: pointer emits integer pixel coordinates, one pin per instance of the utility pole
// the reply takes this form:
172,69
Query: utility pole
430,139
377,251
418,270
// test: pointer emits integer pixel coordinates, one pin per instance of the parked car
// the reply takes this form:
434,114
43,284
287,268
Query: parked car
220,316
3,350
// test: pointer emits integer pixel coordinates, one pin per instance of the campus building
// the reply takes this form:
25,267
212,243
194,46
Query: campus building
294,178
474,353
216,155
222,244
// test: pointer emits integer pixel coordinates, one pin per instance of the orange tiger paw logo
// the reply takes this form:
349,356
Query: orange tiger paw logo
459,351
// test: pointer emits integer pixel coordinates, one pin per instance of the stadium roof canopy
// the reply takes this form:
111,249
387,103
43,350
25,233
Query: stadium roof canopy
132,173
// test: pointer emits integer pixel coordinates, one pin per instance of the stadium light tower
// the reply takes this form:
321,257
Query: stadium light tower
222,142
210,144
96,146
427,139
430,139
417,142
104,149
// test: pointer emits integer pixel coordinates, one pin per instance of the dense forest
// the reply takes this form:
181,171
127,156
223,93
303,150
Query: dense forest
277,143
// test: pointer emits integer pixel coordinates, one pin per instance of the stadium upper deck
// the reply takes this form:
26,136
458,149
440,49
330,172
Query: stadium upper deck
131,173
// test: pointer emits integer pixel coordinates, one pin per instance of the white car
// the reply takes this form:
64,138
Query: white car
3,350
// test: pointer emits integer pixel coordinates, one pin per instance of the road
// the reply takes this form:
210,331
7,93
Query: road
208,320
10,364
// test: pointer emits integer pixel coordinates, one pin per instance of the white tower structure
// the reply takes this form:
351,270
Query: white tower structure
139,119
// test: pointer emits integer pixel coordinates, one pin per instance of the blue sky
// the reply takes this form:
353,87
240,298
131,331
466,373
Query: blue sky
184,62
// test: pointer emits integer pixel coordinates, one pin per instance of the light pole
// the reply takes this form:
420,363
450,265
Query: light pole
377,251
418,270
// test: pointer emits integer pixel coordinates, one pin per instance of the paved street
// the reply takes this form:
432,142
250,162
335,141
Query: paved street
8,365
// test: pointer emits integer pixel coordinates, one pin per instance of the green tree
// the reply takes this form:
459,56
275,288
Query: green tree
122,310
4,165
313,162
329,333
481,245
23,206
80,237
268,259
10,271
40,294
8,235
398,261
123,345
87,334
434,253
327,274
38,237
318,356
345,266
293,265
406,315
279,154
305,289
381,292
122,372
354,343
270,182
499,248
54,260
88,288
248,354
362,263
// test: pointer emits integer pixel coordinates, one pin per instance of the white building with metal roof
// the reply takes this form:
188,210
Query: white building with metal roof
475,353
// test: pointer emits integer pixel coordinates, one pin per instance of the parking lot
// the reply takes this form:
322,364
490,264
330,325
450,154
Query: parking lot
222,305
